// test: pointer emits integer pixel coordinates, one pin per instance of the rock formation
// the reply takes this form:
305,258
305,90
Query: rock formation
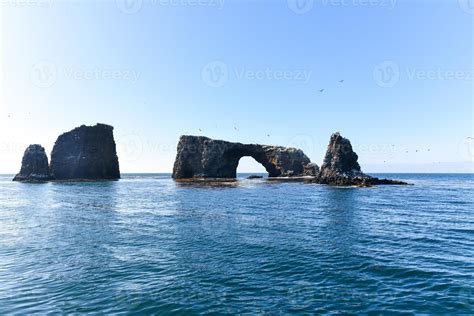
340,166
85,153
202,157
34,165
340,160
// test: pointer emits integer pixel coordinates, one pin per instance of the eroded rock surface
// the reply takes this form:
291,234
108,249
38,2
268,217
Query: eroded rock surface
34,165
202,157
86,153
340,166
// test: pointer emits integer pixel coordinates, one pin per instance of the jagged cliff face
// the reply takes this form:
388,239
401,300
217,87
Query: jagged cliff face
340,159
340,166
202,157
85,153
34,165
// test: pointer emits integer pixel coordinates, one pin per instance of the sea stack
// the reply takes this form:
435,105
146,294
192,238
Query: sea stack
340,161
85,153
202,157
340,166
34,165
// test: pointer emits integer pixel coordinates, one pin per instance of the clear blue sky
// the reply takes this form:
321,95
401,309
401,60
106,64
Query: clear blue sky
247,71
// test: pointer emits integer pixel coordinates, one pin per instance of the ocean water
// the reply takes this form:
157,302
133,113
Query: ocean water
146,244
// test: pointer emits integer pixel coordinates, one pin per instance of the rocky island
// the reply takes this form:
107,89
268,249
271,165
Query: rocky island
84,153
89,153
34,165
201,157
340,166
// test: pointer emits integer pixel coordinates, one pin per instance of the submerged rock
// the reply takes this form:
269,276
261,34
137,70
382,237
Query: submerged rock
202,157
34,165
254,176
86,153
340,166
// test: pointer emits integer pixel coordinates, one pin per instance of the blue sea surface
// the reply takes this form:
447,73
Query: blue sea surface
147,244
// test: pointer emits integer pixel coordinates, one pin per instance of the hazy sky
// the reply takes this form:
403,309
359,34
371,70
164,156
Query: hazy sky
243,71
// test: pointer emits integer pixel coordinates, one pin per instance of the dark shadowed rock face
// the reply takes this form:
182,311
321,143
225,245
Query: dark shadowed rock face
85,153
202,157
34,165
340,159
340,166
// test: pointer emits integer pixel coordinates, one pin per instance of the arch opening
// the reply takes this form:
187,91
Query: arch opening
248,166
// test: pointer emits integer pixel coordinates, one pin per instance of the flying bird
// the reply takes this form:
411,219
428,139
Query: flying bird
268,135
321,90
200,130
341,81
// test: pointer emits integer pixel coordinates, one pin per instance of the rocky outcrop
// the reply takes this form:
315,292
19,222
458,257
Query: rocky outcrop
85,153
202,157
340,160
34,165
340,166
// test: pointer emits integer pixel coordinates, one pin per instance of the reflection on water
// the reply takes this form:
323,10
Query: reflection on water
147,244
342,225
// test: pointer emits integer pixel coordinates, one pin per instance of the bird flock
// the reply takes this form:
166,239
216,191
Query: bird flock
324,89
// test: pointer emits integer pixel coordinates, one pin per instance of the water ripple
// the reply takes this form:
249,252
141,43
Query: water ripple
147,245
